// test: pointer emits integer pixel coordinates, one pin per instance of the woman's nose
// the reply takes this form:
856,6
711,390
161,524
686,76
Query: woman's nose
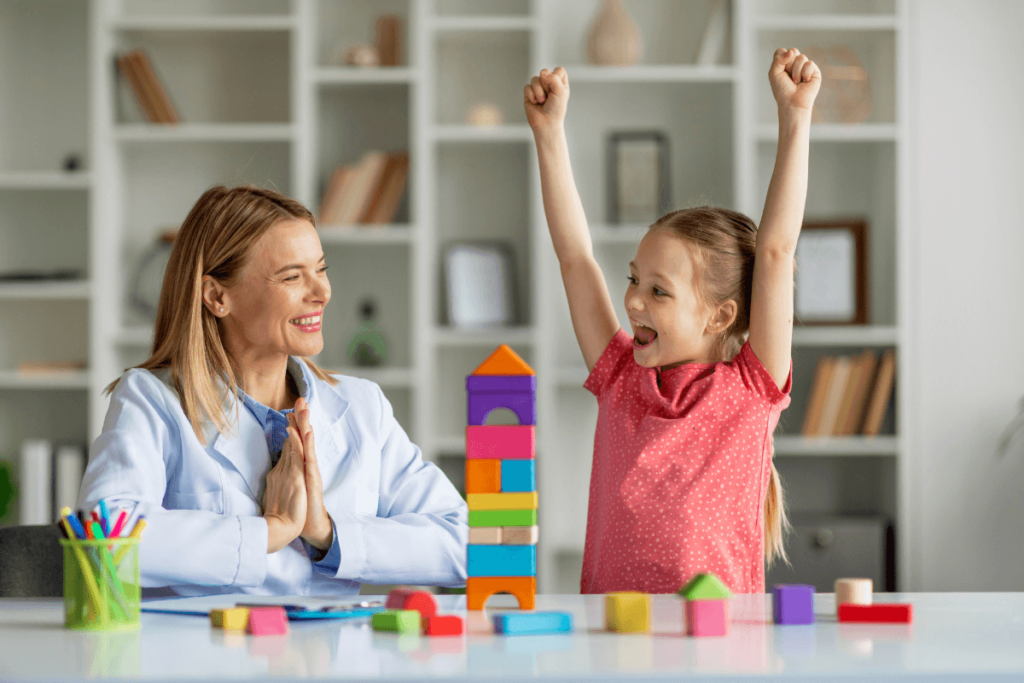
321,289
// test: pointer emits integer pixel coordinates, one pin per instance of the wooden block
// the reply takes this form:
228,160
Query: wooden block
479,588
501,442
627,612
504,361
397,621
520,535
888,613
502,518
856,591
444,625
707,618
485,535
483,476
234,619
793,604
502,560
516,475
410,599
267,621
532,623
502,501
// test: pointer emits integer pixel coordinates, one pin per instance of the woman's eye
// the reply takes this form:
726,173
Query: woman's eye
291,277
324,269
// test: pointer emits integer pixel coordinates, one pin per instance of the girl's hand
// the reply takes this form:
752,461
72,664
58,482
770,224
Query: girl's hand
795,80
317,529
546,99
284,500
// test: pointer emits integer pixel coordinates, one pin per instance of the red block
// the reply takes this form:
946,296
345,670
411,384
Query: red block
443,625
267,621
890,613
407,598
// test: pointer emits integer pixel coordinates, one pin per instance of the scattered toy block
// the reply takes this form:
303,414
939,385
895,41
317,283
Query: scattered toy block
483,476
885,613
411,599
532,623
856,591
479,588
443,625
520,535
485,394
504,361
233,619
485,535
705,587
502,560
503,501
502,518
793,604
518,476
705,618
627,612
501,442
267,621
397,621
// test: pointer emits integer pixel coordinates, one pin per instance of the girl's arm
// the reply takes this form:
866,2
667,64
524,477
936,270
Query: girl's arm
590,305
795,81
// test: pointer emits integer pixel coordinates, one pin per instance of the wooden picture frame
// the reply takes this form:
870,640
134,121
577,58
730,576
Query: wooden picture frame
831,280
639,183
479,283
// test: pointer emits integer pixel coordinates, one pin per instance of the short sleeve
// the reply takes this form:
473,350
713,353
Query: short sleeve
757,379
613,361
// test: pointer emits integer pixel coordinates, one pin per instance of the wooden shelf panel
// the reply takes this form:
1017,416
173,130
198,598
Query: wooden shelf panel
205,23
74,289
205,132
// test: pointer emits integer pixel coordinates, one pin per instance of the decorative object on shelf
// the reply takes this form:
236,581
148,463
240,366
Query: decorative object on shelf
368,347
639,183
369,192
711,43
149,274
362,56
484,115
8,490
68,469
72,163
149,91
831,273
849,394
389,40
845,95
614,37
480,284
36,480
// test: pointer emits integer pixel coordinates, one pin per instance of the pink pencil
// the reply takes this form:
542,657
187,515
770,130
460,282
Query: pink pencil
121,519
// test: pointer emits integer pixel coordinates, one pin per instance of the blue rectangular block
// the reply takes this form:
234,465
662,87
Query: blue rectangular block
502,560
532,623
518,476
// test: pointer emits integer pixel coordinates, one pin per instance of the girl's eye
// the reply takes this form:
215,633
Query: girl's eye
631,279
658,292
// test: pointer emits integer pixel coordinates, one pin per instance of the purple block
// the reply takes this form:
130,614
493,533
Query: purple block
522,403
516,383
793,604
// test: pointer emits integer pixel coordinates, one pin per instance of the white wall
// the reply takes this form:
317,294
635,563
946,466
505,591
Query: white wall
967,114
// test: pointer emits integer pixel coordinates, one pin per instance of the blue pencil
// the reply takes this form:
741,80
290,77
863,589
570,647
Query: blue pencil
104,518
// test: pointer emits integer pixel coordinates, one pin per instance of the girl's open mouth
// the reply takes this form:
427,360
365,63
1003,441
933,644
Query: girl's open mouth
643,336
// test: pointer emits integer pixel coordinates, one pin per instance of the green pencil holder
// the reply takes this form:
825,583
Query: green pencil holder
101,584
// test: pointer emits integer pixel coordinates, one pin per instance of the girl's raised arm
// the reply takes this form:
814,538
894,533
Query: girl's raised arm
795,81
590,305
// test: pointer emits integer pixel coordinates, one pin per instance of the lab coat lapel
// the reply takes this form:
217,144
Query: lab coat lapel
326,408
246,450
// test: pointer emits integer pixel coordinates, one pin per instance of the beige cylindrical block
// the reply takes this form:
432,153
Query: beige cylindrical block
520,535
485,535
857,591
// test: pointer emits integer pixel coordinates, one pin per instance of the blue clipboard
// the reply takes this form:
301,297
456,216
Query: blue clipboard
296,613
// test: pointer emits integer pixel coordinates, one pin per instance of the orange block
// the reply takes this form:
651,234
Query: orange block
479,588
504,361
483,476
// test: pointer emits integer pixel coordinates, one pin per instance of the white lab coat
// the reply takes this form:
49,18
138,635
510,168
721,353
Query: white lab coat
398,518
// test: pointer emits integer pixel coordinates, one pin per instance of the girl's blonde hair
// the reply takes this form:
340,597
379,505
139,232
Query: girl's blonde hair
216,240
725,242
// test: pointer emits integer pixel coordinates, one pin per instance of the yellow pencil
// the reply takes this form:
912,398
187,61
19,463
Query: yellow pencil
136,533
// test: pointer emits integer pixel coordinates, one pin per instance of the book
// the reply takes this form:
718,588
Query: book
68,468
330,201
834,396
357,192
142,97
390,191
149,92
880,394
862,390
816,399
389,40
860,367
35,482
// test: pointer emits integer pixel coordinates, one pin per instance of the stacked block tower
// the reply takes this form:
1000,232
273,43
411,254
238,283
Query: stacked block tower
501,482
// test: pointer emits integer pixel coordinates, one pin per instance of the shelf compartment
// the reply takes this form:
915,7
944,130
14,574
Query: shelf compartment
74,379
44,231
38,412
627,235
55,332
402,378
449,392
134,336
481,67
342,25
650,73
475,8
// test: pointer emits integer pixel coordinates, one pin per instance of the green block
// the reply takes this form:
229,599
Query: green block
705,587
398,620
502,517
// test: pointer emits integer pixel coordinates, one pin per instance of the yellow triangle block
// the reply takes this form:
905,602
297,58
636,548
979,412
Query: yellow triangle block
504,361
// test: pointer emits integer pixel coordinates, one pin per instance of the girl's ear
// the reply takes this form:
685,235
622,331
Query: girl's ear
723,317
215,297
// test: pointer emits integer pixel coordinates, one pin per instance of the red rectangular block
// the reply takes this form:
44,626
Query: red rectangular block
443,625
892,613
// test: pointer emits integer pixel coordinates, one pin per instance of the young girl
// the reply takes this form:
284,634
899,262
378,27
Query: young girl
682,479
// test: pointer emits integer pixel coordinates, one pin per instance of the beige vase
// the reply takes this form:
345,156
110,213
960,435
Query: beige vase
614,36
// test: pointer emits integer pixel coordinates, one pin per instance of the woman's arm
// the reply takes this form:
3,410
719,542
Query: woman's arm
795,81
590,305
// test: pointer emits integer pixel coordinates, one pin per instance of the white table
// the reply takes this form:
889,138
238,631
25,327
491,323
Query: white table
954,635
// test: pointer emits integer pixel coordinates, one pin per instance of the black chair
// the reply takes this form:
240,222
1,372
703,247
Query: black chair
31,562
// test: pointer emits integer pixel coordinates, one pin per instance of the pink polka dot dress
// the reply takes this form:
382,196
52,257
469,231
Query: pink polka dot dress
680,472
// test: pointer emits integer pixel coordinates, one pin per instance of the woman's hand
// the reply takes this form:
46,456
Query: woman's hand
285,501
795,81
317,529
546,99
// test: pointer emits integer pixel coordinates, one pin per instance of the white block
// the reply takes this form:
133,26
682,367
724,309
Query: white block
856,591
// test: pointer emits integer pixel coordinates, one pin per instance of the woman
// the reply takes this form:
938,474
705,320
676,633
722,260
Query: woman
257,471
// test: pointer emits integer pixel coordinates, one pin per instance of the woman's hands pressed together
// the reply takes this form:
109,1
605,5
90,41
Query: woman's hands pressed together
317,529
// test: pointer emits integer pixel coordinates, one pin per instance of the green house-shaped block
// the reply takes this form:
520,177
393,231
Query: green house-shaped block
705,587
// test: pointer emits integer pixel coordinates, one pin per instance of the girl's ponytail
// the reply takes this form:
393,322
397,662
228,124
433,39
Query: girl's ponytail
775,522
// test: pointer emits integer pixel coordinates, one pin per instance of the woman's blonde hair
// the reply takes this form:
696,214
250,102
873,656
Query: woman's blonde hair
216,240
725,243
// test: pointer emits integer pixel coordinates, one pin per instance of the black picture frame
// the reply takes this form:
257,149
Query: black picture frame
639,187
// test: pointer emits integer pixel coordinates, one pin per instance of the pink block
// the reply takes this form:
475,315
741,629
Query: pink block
267,621
707,618
501,442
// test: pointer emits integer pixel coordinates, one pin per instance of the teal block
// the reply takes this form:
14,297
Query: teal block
502,560
518,476
532,623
